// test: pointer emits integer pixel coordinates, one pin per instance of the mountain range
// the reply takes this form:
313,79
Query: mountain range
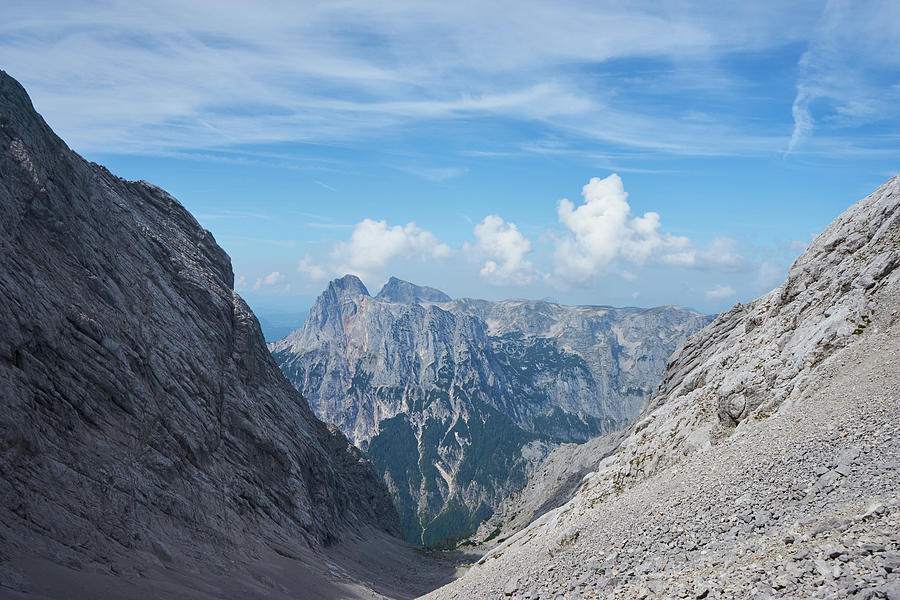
455,401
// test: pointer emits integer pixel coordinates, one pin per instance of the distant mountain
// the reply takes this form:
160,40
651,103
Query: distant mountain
764,464
149,445
455,400
397,290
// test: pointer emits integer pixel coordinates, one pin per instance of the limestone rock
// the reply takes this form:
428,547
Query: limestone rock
143,423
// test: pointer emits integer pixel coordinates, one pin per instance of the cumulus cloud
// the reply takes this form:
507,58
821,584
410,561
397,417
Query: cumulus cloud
602,230
371,246
504,249
313,271
373,243
720,292
272,279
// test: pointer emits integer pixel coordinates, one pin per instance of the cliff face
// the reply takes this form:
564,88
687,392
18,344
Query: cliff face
455,400
143,423
764,464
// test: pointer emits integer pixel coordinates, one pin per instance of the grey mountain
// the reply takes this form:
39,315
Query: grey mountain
764,464
455,400
149,444
397,290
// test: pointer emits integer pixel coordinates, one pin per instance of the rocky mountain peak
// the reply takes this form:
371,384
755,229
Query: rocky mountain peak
348,286
397,290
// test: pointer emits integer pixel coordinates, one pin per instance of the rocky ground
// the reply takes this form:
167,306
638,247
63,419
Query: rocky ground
553,482
803,503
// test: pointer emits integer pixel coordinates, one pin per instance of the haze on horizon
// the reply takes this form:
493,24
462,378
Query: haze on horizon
592,153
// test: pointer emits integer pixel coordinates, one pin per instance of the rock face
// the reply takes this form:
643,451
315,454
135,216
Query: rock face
766,461
551,483
397,290
143,423
455,400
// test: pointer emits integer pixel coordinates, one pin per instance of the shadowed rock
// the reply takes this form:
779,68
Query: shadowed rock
144,427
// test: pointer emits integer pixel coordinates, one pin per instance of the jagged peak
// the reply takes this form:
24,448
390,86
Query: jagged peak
348,285
398,290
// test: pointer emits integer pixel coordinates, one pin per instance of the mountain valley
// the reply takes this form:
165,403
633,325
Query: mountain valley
152,445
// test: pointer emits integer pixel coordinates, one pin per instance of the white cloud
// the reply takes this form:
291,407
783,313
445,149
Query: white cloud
371,247
437,174
799,246
602,230
721,254
504,249
373,243
308,267
845,75
175,75
769,275
720,292
272,279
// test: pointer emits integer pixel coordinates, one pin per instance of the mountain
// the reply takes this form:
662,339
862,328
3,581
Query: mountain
149,444
397,290
454,401
764,464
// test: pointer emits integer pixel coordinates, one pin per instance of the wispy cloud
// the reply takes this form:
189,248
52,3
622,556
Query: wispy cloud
228,214
212,77
437,174
330,225
720,292
849,73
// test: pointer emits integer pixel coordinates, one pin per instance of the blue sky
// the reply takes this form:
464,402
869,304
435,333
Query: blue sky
603,153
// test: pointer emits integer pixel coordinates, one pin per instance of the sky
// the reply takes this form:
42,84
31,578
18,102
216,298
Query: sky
619,153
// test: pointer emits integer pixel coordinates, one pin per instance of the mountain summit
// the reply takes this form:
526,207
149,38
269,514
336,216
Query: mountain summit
397,290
